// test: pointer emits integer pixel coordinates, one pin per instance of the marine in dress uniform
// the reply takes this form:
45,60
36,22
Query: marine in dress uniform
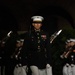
19,69
9,49
69,56
38,49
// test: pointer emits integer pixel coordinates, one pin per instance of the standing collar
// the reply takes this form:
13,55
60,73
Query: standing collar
37,30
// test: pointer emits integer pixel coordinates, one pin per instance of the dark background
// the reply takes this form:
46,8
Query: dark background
16,15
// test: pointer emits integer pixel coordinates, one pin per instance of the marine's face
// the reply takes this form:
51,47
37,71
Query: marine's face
37,25
72,43
18,44
68,44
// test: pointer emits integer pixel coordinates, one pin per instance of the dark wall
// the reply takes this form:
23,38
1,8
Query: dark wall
7,20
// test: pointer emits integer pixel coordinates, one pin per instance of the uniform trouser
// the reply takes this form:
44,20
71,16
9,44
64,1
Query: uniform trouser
20,70
69,69
2,70
36,71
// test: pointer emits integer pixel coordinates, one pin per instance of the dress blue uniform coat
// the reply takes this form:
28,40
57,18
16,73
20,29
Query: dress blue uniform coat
37,49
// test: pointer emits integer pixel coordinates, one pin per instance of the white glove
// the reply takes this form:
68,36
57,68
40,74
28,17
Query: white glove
49,69
67,64
48,66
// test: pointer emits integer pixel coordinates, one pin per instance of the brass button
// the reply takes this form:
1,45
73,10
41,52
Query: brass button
38,41
38,47
37,33
38,37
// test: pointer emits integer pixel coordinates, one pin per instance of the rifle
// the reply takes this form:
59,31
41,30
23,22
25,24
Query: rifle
53,36
4,40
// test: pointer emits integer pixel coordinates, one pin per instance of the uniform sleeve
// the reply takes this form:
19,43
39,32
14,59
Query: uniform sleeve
48,47
24,54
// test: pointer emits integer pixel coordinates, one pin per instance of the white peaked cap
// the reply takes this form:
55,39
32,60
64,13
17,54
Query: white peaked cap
21,39
67,41
37,18
73,40
18,41
70,40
